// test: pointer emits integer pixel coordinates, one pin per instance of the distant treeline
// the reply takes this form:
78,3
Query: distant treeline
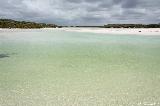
121,26
8,23
132,26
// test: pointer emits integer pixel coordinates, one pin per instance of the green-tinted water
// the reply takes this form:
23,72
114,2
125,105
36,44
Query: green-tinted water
58,68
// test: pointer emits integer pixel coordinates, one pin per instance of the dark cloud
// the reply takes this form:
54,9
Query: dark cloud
75,1
83,12
129,3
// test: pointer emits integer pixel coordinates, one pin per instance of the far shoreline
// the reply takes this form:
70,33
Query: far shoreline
118,31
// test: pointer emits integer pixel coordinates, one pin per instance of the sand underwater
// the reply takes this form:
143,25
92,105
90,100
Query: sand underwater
59,68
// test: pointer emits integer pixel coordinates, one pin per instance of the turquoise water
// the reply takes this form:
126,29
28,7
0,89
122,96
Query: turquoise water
58,68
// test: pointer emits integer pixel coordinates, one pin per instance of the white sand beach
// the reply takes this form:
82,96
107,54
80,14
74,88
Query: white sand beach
120,31
132,31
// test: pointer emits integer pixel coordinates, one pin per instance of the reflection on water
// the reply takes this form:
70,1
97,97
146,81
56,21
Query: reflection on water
4,55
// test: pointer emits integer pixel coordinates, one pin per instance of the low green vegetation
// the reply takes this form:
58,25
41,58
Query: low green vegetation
8,23
132,26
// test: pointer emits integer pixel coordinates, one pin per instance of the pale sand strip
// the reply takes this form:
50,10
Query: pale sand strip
121,31
131,31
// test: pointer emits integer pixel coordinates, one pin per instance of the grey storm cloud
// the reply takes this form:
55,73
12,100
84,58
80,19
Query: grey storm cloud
82,12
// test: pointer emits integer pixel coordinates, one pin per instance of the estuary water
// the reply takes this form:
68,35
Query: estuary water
59,68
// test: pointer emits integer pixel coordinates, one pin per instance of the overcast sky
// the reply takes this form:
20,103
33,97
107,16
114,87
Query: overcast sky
82,12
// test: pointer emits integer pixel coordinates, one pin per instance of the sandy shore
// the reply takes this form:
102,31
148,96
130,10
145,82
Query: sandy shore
131,31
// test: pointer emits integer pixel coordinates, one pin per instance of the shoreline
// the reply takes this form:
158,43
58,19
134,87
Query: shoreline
118,31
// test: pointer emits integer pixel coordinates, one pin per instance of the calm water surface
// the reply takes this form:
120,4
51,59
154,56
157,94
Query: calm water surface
58,68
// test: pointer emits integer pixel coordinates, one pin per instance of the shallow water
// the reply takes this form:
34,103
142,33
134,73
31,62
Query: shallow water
58,68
